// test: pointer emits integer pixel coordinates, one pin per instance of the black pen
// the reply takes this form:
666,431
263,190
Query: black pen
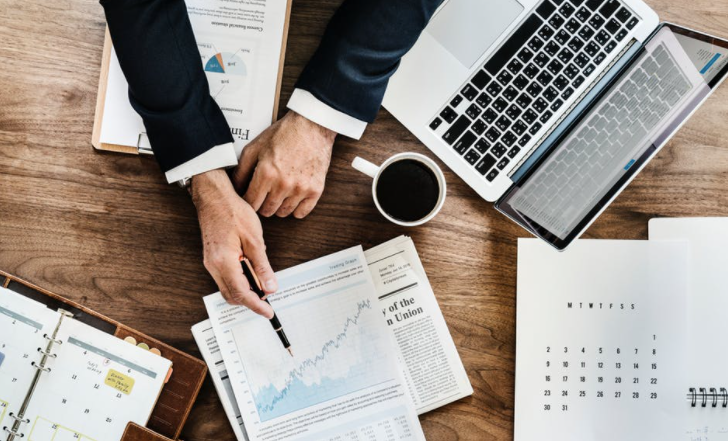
256,288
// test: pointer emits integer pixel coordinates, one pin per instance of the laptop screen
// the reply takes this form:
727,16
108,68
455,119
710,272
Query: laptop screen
597,154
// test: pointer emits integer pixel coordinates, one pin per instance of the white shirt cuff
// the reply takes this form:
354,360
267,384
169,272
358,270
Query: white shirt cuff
220,156
310,107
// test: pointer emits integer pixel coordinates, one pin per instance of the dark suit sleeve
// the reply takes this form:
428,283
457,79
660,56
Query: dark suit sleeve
158,54
361,49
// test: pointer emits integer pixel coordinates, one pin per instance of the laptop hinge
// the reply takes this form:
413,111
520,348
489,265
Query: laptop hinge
573,105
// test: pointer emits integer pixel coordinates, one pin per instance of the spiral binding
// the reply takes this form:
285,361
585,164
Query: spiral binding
705,396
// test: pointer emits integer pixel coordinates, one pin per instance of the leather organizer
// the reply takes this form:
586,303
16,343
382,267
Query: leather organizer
178,395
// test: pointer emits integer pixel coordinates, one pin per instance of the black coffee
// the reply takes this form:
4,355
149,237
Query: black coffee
408,190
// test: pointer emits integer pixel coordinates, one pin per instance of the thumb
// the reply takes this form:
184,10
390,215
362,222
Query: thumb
244,170
262,268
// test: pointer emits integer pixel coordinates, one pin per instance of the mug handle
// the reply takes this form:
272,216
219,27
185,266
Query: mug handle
365,167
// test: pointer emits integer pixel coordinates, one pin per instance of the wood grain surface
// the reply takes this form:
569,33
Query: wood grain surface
106,230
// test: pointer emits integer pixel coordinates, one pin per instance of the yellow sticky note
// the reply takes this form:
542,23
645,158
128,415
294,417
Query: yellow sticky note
117,380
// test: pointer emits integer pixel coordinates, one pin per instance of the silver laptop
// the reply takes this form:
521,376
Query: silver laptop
551,107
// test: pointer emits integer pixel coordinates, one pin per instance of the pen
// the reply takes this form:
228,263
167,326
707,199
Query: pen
255,287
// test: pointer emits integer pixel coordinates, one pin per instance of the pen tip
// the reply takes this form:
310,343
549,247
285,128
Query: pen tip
290,351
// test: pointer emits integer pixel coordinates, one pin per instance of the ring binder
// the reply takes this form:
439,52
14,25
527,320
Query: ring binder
12,433
712,395
46,353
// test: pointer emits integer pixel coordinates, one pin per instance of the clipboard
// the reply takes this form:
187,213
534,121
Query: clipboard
178,395
140,149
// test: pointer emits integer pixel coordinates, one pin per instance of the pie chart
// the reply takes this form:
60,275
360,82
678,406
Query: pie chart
226,63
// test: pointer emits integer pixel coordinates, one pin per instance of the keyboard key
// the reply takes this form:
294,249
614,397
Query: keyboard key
491,175
530,71
510,93
520,82
514,112
567,9
492,135
545,117
556,105
503,123
558,2
561,82
524,139
509,138
499,105
472,156
613,26
593,4
480,80
596,22
535,44
513,44
482,145
572,26
457,100
473,111
435,123
589,69
499,150
465,142
544,78
609,7
632,23
519,127
551,94
583,14
489,116
621,34
556,21
562,37
485,164
581,60
502,164
525,55
469,92
578,81
504,77
530,116
541,59
483,100
494,89
534,89
586,32
545,32
456,129
610,46
545,9
576,44
555,67
565,55
479,127
540,105
602,37
513,152
623,14
448,115
599,58
535,128
571,71
524,100
591,49
515,66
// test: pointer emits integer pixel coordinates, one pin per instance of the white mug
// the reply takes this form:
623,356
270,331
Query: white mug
374,172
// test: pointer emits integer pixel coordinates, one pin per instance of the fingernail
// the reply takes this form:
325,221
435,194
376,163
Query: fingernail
270,285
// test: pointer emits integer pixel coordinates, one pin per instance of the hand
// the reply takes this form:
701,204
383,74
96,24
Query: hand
288,164
230,230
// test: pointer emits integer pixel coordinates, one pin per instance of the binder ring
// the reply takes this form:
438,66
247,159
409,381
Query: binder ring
18,419
13,433
692,396
56,341
714,394
704,396
40,368
724,393
47,353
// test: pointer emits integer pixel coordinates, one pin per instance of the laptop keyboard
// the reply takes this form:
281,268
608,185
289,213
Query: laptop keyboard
533,75
602,146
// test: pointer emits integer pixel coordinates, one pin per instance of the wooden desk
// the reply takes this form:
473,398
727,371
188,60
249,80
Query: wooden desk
107,231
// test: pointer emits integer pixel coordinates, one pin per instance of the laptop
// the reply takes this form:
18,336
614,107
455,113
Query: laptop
549,108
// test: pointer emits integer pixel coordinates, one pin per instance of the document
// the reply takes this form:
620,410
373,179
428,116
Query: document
240,44
601,345
432,368
343,382
206,341
706,356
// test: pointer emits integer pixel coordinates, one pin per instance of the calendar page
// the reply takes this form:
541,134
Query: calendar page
97,384
601,344
23,323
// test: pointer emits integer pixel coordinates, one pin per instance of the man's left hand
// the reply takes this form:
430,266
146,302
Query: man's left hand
286,166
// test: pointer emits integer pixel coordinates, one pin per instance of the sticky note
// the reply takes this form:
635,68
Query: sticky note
118,381
2,357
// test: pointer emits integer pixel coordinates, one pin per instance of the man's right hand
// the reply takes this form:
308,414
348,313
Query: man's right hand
230,230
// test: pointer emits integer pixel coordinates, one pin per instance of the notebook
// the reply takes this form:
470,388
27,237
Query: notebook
705,385
61,379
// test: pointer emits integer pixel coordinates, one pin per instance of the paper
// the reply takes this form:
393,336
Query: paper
708,302
206,341
240,47
430,362
343,382
601,340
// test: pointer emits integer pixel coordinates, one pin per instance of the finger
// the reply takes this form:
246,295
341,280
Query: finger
262,268
258,190
272,203
305,207
244,170
233,279
288,205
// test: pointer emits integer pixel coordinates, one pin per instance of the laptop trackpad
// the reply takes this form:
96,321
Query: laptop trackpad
467,28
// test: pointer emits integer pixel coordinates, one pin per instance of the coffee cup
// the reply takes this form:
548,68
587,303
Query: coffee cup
408,188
